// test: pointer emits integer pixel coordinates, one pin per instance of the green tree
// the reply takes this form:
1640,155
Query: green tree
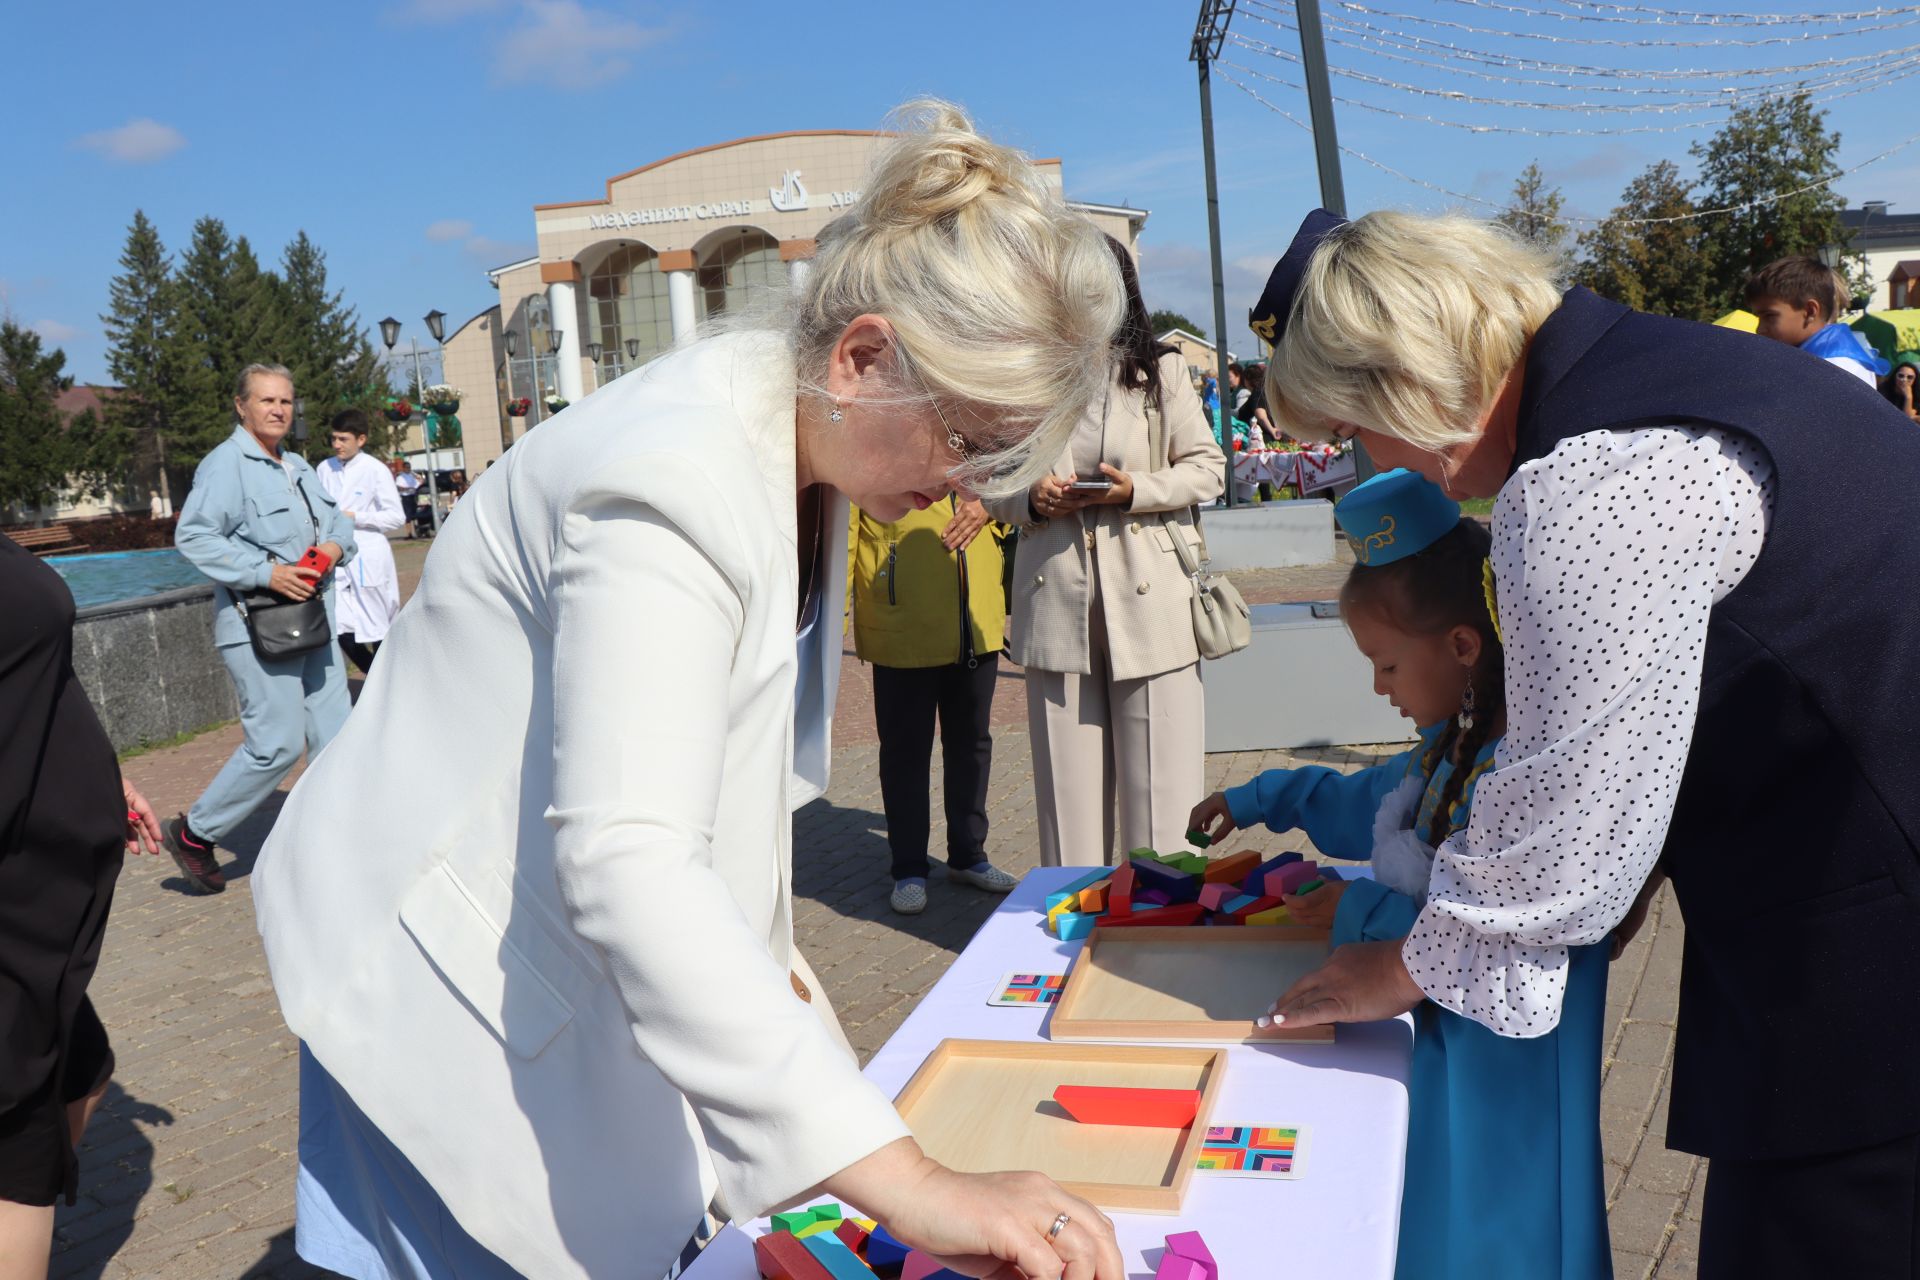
44,454
1770,148
197,355
333,363
1161,321
1660,266
1533,214
137,325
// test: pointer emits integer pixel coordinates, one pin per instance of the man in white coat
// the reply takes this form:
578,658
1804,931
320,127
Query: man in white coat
369,594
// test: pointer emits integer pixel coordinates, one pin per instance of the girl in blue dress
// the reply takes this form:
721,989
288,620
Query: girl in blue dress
1504,1175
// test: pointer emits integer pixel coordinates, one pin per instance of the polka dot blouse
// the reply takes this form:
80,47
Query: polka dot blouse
1608,556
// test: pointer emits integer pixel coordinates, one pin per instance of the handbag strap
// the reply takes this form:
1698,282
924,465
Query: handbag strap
1156,456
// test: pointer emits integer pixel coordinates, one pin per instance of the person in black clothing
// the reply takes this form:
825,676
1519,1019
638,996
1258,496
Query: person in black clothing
66,816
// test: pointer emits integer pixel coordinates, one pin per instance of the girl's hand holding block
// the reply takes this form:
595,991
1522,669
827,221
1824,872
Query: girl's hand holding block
1316,909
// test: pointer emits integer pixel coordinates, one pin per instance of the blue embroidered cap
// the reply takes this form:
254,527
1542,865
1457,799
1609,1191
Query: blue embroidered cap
1394,515
1269,315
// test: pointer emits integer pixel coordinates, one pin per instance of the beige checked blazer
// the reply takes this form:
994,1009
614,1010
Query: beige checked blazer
1145,595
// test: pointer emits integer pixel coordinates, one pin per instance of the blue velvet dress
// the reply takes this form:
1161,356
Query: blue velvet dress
1504,1174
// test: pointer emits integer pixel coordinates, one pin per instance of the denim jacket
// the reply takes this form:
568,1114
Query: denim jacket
243,517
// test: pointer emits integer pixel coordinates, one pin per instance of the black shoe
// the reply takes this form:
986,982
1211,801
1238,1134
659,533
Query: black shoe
196,862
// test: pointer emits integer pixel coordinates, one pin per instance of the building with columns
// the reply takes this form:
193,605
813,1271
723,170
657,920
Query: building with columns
618,279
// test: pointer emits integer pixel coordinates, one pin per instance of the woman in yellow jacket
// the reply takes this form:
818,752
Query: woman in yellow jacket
929,614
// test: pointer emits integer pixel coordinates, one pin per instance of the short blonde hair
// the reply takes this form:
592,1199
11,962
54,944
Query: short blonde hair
999,294
1406,325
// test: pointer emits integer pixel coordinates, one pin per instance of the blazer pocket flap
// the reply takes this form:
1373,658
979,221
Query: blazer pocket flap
1164,535
496,978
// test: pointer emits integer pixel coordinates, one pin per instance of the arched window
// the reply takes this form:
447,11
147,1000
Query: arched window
737,269
628,302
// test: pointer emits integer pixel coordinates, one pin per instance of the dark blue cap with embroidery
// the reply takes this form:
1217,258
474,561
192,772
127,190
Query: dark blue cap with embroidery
1269,315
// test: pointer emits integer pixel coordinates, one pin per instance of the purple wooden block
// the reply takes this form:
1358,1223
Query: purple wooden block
1174,1267
1188,1244
1177,885
1153,897
1256,881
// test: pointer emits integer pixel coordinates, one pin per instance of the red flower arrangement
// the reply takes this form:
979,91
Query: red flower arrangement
399,410
519,408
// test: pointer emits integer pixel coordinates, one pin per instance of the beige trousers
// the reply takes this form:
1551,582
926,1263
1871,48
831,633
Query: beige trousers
1095,740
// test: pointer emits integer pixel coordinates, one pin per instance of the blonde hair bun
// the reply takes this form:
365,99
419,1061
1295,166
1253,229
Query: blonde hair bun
941,166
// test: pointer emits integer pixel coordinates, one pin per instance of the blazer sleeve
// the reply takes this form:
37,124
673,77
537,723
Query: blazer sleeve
1335,809
384,513
208,518
645,627
1011,510
1195,469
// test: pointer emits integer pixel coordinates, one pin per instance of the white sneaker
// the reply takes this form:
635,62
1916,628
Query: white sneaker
909,896
984,875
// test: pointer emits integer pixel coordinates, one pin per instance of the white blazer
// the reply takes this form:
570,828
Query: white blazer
532,907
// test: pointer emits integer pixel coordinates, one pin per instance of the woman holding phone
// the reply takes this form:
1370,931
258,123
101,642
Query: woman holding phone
1101,615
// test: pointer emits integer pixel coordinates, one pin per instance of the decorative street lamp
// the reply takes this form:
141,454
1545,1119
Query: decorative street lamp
633,348
437,326
513,345
390,334
593,351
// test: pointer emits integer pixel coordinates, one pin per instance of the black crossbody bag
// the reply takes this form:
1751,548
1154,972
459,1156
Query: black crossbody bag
283,628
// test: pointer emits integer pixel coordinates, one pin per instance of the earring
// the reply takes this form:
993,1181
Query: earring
1465,718
834,415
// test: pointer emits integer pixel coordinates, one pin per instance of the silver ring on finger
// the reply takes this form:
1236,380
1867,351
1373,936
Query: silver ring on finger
1059,1225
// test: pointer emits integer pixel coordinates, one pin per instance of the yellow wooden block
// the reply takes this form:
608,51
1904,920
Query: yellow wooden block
815,1228
1094,900
866,1224
1274,915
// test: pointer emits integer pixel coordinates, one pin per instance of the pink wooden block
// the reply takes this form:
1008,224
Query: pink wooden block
919,1266
1214,896
1188,1244
1174,1267
1289,878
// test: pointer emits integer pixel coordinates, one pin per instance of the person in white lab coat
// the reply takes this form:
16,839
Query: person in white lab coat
547,1023
369,592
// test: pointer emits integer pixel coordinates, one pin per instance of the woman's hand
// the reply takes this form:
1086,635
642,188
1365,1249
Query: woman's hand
1360,982
1050,498
968,520
1121,495
294,584
143,828
1316,909
1212,818
981,1224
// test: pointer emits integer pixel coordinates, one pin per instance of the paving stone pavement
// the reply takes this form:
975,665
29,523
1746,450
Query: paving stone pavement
187,1172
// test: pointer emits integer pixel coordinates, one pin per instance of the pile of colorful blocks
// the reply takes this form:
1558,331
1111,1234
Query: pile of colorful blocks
821,1243
1182,889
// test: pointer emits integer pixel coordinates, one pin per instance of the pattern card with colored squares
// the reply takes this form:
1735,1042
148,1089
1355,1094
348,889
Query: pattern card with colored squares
1253,1151
1029,990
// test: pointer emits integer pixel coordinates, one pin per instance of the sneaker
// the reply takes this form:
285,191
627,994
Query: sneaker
909,896
984,875
196,862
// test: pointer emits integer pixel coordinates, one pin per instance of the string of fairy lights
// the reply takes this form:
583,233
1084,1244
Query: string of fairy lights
1383,68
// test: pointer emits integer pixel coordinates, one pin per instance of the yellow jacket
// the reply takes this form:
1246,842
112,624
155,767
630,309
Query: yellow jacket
907,590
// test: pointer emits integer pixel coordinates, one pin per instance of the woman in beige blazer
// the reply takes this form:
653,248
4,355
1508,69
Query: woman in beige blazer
1101,614
547,1023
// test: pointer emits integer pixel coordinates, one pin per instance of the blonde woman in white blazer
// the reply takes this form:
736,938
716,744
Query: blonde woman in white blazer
1101,615
551,1018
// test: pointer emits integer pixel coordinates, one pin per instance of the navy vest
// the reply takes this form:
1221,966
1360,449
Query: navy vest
1795,842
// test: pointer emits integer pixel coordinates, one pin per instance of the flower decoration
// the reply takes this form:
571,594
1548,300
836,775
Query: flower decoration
519,408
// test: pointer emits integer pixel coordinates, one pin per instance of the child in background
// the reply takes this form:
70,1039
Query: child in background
1796,300
1504,1175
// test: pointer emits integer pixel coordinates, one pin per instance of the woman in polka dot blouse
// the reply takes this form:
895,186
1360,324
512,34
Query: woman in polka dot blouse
1711,665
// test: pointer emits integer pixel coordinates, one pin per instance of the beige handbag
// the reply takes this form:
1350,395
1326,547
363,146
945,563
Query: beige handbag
1222,623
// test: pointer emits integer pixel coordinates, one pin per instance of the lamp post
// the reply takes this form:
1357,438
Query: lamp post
553,353
593,356
512,341
633,353
390,334
1867,209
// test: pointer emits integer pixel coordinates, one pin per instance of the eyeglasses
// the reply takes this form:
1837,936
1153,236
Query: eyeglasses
969,453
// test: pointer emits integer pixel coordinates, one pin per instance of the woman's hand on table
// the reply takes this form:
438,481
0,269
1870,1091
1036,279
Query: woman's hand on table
981,1224
1360,982
1212,818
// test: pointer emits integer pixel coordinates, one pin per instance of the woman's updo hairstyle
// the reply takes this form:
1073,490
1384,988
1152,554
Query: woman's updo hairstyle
999,294
1407,325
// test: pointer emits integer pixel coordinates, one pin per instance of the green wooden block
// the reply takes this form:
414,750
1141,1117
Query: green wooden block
816,1227
1199,839
792,1220
1308,888
1193,864
826,1211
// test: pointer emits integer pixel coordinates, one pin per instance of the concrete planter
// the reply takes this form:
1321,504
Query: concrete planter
149,666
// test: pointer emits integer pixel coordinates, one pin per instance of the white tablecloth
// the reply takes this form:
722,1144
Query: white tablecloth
1340,1219
1309,469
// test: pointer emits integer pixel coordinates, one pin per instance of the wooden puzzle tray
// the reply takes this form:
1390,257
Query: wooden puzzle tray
1200,984
985,1105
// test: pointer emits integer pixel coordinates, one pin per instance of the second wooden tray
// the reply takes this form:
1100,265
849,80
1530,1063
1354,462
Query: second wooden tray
980,1106
1204,984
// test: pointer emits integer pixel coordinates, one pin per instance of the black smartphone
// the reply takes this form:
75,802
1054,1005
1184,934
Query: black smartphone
1099,486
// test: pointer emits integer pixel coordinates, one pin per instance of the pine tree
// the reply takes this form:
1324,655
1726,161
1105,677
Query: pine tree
1775,146
197,354
1662,267
43,454
137,327
333,362
1534,214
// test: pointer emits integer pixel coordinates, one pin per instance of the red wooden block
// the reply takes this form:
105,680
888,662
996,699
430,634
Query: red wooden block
1255,907
1185,913
1120,890
781,1257
1232,868
1141,1108
852,1235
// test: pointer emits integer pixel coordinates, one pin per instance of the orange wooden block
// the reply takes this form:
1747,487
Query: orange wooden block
1143,1108
1093,901
1235,867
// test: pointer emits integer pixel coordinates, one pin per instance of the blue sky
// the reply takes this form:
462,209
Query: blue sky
409,138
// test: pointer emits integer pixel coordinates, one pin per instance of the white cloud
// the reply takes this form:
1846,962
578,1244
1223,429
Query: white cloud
564,45
140,141
489,252
449,229
55,331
